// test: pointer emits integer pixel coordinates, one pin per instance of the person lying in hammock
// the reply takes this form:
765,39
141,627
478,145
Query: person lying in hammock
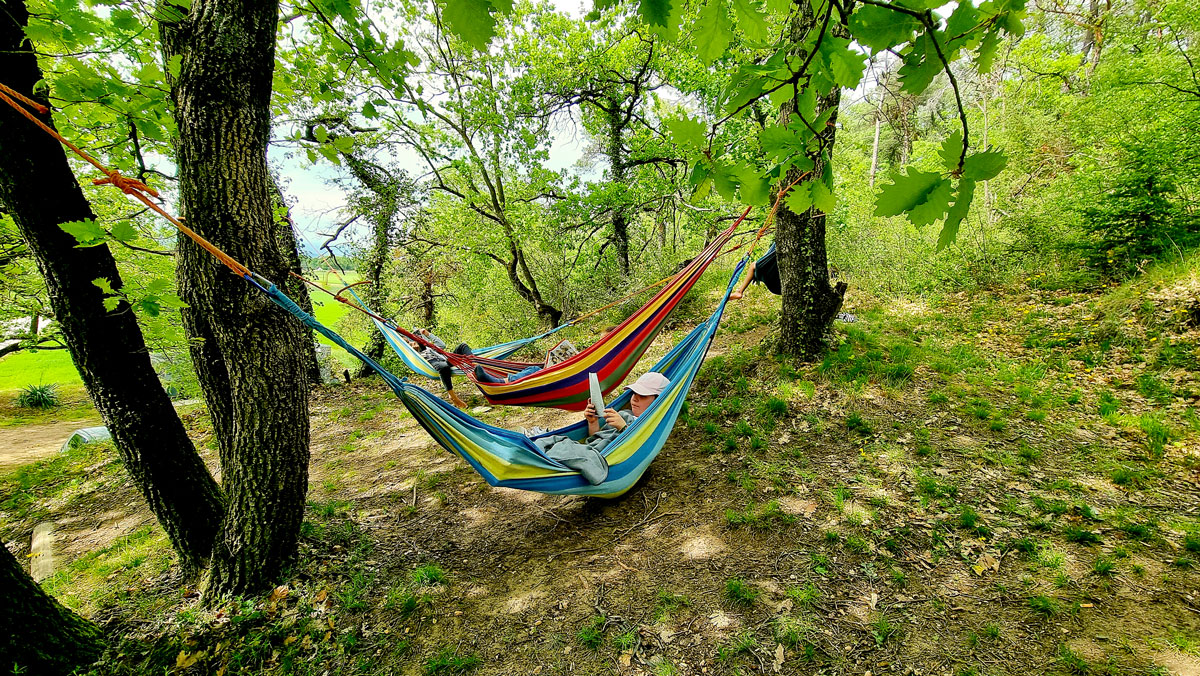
587,456
764,271
439,363
559,353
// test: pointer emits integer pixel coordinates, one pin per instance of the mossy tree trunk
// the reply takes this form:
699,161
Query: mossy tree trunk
39,190
40,636
248,352
810,302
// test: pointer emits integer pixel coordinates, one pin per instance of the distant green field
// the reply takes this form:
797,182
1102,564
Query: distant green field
37,368
54,366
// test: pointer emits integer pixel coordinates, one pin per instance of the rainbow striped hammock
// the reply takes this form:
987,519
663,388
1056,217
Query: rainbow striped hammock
565,385
506,458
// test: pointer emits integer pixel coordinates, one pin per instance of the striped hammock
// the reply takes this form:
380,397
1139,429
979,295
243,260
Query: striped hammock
506,458
612,358
565,385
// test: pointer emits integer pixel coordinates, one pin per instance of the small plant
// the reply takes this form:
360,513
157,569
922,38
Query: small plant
1072,663
968,518
775,407
743,429
1080,535
38,396
739,592
1130,477
882,629
805,596
1191,542
591,635
857,544
448,661
1142,532
1023,545
1028,453
899,577
428,574
1044,605
856,423
668,603
790,631
757,443
1104,566
742,643
1035,414
1108,404
626,640
938,397
991,630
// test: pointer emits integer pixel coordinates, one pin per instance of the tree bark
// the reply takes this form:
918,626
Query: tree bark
616,160
39,190
810,303
250,355
40,635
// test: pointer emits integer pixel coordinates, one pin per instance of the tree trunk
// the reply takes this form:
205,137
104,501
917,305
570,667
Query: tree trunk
296,289
616,160
38,189
250,355
376,259
42,636
810,303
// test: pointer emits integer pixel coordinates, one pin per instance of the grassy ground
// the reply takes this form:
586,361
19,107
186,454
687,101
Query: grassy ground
997,483
37,368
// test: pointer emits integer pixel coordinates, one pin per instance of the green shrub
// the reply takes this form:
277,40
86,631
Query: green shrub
38,396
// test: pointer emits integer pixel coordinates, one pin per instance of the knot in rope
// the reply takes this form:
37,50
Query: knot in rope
130,186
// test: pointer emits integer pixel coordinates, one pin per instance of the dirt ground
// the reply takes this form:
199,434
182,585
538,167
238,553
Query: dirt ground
29,443
873,529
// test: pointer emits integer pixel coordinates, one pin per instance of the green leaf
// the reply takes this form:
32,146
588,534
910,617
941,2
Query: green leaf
906,192
656,12
745,91
171,300
713,31
846,64
701,177
344,143
330,154
822,197
779,143
952,150
157,286
725,181
124,232
937,201
173,65
756,190
472,21
103,284
150,306
687,133
921,65
983,166
369,111
799,199
321,134
86,232
962,204
782,95
111,303
750,20
987,51
880,28
960,25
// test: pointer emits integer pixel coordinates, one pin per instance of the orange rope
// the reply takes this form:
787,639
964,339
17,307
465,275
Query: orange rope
130,186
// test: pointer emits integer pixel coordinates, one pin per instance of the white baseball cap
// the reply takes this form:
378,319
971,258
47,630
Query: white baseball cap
650,384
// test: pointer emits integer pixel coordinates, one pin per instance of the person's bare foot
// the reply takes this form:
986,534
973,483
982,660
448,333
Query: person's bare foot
456,400
736,295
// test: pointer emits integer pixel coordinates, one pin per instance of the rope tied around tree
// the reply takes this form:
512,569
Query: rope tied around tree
130,186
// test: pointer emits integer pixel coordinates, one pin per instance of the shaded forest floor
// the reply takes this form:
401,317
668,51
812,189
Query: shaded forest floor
998,483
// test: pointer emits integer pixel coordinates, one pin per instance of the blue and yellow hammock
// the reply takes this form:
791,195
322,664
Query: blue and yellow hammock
509,459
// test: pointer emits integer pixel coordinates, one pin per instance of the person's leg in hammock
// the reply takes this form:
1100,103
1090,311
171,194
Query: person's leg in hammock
445,374
765,271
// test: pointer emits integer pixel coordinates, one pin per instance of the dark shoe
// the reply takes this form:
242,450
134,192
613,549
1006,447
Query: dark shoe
482,376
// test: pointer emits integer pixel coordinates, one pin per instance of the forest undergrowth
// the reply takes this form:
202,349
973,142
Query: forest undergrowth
987,483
